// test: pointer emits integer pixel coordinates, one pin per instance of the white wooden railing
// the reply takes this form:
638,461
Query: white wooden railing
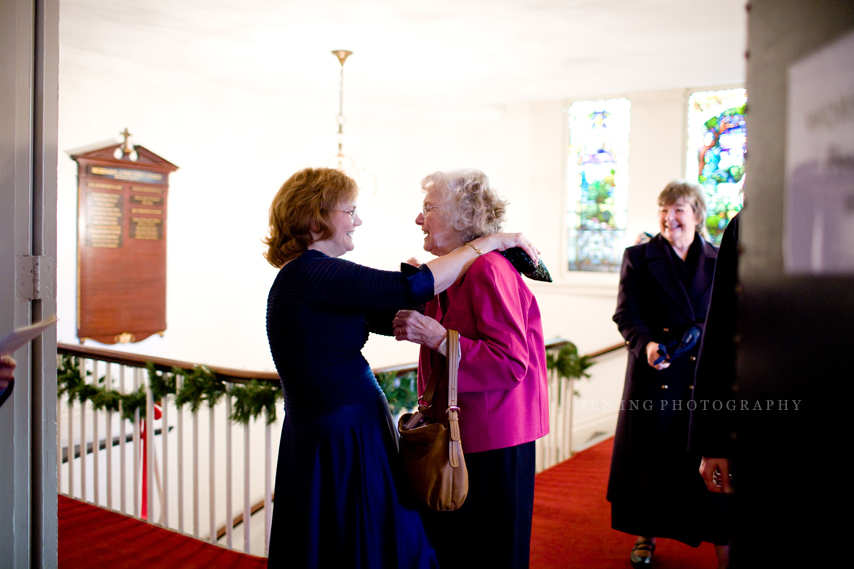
102,459
192,484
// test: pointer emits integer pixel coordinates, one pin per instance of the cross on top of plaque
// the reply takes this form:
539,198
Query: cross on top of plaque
126,147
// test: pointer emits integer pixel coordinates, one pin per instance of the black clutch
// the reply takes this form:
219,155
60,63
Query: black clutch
525,265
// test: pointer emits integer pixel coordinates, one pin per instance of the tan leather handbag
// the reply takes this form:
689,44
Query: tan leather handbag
430,440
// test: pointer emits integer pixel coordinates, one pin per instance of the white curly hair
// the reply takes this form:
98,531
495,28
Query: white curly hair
467,202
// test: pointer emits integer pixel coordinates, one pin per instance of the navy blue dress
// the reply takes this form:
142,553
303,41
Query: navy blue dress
340,499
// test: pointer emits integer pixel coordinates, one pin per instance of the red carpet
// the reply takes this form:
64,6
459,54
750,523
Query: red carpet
572,521
94,537
572,528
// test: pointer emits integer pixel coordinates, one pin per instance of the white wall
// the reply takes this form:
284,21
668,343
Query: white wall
234,153
233,156
579,306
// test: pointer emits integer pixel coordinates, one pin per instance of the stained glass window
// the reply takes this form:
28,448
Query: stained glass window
716,145
597,184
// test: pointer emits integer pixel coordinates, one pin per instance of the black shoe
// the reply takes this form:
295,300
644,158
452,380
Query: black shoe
641,555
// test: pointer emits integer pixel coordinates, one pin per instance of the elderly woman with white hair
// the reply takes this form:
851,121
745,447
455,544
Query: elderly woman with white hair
503,393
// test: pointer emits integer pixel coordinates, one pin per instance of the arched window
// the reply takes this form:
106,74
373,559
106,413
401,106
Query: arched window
597,182
716,145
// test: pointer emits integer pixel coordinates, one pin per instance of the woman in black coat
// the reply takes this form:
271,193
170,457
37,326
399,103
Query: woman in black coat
654,488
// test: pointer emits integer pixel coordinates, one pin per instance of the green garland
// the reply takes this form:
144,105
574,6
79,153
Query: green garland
68,378
162,383
400,390
131,402
199,385
568,364
252,399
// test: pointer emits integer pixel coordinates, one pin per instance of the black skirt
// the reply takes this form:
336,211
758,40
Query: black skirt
493,527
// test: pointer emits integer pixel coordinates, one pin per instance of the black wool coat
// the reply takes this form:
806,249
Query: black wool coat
654,486
713,381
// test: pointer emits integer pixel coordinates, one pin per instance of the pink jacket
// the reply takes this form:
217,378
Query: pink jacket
502,379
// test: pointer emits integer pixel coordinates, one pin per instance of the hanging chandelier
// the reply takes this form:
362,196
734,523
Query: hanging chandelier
341,161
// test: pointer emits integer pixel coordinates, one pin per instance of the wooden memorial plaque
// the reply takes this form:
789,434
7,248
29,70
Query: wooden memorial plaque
121,243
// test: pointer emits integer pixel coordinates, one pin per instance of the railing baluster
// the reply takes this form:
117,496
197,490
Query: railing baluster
570,403
96,443
212,470
561,407
556,439
122,437
108,437
136,448
559,440
562,414
179,383
553,446
149,453
58,437
558,424
247,506
547,439
564,417
196,474
268,492
69,450
229,516
82,447
164,437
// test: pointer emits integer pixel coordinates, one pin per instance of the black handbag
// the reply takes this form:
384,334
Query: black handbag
523,263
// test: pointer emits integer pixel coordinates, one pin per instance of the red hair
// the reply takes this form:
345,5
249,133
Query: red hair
304,204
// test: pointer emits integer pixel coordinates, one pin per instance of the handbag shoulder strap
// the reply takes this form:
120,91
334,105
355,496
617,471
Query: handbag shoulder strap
436,371
454,357
426,399
455,450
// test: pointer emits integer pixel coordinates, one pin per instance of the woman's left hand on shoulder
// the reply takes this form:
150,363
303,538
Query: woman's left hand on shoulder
414,327
504,241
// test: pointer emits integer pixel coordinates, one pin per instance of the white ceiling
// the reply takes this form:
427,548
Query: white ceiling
408,52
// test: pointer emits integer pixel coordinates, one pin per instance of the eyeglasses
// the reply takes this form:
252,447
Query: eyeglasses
351,213
427,209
